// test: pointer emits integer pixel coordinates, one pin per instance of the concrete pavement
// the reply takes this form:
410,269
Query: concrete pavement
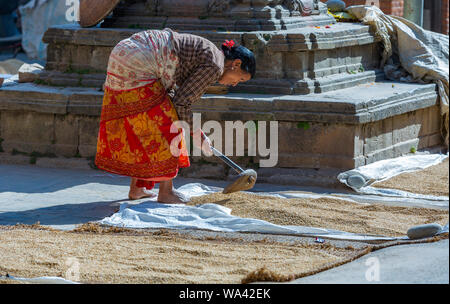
403,264
64,198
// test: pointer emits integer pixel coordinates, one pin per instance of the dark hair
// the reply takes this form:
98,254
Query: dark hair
247,57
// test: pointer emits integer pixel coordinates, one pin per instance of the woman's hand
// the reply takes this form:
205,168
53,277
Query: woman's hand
203,142
206,146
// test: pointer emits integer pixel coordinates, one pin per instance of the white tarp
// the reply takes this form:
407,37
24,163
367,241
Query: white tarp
361,178
40,280
411,53
151,214
37,16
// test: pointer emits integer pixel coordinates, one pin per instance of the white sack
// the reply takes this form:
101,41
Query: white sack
37,17
411,53
361,178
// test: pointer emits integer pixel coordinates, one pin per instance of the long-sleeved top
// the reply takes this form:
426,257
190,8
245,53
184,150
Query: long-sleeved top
201,64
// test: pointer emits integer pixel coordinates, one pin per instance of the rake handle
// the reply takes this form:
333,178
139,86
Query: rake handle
226,160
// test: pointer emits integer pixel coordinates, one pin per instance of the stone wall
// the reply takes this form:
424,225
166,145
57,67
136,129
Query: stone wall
341,130
321,145
303,61
444,17
49,134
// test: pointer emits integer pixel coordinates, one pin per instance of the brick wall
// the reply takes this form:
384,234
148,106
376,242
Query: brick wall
444,17
392,7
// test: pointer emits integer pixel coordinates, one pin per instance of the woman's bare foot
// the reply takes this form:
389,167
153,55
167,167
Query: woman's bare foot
138,193
168,195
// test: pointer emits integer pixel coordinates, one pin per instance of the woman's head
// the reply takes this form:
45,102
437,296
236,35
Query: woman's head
240,64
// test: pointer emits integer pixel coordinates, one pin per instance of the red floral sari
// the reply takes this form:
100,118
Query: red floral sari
134,137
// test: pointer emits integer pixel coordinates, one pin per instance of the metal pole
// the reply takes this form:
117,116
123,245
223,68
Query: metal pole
413,11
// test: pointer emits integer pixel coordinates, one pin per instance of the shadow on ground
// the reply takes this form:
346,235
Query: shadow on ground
70,214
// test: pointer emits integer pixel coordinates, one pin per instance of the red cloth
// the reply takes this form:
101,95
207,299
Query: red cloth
134,137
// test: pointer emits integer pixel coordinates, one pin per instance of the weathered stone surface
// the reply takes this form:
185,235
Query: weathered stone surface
86,103
62,162
423,231
29,72
88,132
340,131
215,14
202,170
27,132
46,162
31,97
66,135
304,177
301,61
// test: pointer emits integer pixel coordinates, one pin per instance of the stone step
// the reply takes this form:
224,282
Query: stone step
301,61
93,80
338,130
256,86
356,105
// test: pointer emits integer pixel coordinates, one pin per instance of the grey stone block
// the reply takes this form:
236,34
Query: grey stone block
27,131
29,72
88,134
423,231
66,135
346,128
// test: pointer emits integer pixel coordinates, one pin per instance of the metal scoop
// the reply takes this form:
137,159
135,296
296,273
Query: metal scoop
246,178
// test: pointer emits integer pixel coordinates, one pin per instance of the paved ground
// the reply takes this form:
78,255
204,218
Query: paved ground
403,264
64,198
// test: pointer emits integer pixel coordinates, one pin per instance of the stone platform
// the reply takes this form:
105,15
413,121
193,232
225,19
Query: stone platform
320,135
300,61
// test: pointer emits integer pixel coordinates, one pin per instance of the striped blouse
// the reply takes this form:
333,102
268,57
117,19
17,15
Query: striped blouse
201,64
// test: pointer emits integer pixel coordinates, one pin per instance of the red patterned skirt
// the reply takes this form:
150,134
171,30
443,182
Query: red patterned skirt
135,135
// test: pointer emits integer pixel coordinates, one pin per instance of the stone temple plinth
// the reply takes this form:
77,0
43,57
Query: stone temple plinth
320,80
213,15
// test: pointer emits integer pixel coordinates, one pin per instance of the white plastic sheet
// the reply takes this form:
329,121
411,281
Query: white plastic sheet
41,280
388,168
151,214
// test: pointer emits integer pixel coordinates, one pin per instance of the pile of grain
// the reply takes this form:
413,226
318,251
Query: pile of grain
431,181
326,213
158,257
118,255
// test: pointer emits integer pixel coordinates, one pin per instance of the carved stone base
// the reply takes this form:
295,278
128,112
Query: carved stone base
301,61
219,15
